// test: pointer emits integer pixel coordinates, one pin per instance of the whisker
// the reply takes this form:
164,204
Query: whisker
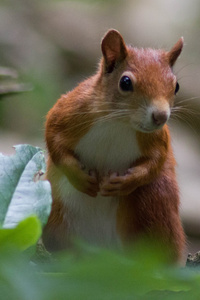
186,116
111,115
181,118
121,107
188,111
182,68
114,116
187,99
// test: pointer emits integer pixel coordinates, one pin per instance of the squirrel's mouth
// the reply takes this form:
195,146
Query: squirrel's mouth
142,128
148,129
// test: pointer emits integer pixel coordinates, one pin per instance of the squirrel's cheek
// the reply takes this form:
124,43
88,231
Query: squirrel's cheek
150,117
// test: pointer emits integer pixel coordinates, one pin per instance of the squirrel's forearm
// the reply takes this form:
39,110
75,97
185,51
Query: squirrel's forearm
145,170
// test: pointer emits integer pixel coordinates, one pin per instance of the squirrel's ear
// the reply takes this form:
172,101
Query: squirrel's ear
174,53
113,48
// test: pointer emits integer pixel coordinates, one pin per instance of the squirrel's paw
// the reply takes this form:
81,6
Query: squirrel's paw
116,185
86,183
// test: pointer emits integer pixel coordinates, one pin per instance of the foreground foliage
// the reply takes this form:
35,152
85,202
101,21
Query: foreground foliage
25,201
95,274
86,273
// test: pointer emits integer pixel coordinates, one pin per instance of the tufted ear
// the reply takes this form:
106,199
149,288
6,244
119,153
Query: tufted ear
113,48
174,53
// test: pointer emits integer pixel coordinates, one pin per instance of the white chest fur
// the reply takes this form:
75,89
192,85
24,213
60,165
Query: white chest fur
111,146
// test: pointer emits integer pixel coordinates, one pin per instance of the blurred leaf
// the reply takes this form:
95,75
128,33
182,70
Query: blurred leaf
96,274
18,279
102,274
24,235
21,194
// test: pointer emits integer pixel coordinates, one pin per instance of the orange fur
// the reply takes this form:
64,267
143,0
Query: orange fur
147,191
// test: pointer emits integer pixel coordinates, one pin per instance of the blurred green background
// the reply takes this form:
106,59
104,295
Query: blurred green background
54,44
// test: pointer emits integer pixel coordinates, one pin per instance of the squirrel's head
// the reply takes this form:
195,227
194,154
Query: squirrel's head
139,84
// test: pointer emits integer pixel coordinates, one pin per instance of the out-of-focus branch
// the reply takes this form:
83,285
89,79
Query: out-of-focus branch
8,86
14,89
8,72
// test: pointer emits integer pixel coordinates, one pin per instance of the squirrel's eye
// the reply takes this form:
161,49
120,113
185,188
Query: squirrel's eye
126,84
177,88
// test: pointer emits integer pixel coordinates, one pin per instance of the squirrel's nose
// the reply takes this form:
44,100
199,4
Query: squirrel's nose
159,117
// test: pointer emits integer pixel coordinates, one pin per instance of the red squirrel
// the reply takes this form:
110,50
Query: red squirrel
111,164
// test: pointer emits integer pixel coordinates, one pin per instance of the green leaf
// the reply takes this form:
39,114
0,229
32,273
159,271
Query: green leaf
23,236
21,194
98,274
